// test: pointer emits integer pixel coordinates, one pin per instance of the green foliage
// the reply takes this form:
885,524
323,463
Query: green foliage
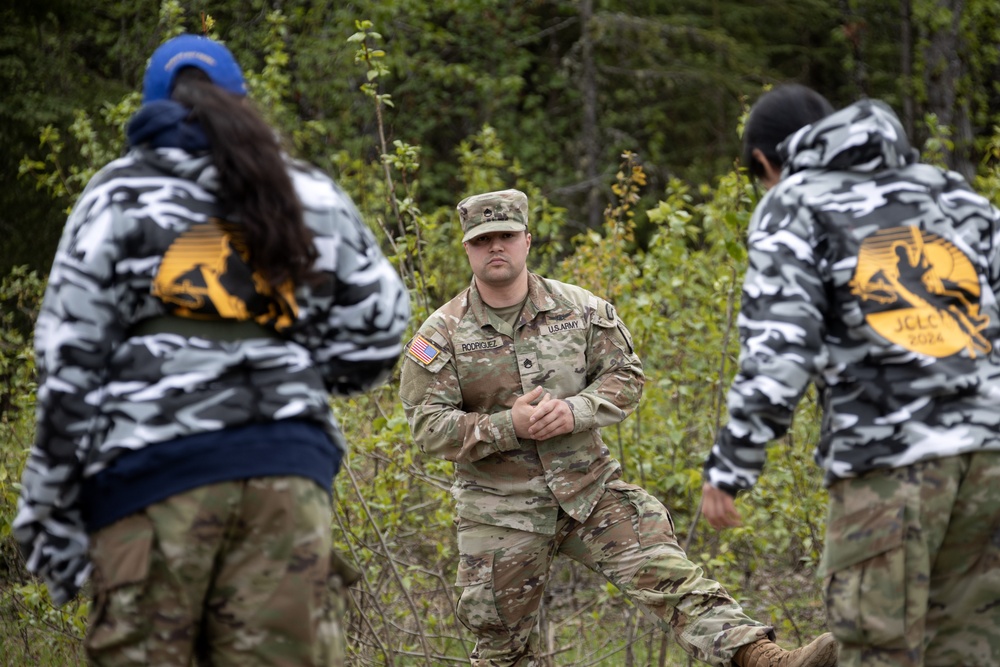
988,179
667,77
63,179
939,143
430,102
48,67
20,296
678,296
32,631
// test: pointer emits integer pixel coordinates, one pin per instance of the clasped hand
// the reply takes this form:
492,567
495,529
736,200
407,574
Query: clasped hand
546,419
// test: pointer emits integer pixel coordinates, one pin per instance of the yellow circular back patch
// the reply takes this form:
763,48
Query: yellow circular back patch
922,292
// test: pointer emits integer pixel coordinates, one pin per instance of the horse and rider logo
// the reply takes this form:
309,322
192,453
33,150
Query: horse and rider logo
921,292
205,275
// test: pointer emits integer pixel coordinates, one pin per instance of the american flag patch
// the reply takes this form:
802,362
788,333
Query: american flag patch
422,350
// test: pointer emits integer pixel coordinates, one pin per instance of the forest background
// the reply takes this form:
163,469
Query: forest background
621,121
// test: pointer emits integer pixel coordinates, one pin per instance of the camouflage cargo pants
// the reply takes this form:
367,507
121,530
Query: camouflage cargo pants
236,573
912,564
629,539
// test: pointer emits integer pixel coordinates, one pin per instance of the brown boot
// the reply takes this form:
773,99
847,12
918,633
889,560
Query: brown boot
765,653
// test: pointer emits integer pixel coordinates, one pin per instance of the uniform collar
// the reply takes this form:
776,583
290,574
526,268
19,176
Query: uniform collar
539,301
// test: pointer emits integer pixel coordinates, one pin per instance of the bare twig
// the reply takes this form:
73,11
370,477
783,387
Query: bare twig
392,564
720,389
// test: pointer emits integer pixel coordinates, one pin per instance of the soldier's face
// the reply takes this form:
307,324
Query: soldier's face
498,258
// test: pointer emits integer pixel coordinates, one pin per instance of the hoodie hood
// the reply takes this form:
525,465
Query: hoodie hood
865,137
166,124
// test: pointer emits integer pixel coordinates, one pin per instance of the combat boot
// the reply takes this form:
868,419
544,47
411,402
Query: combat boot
822,652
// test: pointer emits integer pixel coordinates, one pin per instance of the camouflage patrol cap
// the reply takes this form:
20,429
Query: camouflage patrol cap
502,211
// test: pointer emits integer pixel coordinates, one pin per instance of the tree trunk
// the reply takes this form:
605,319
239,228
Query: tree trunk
943,69
853,30
591,145
906,65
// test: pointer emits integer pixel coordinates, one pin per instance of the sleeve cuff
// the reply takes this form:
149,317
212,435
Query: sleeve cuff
583,415
720,478
503,426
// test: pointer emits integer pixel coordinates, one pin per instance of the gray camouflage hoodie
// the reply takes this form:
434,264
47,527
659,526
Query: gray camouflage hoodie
143,241
875,277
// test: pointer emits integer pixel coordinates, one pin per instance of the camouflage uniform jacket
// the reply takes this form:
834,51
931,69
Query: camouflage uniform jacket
465,368
103,391
875,277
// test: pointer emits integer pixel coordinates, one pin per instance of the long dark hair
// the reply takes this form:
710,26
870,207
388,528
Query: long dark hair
779,113
255,189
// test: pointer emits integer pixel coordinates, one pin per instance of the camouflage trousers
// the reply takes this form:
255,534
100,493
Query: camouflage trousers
229,574
911,564
629,539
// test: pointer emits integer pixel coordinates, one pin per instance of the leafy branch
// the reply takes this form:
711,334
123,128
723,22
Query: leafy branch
404,158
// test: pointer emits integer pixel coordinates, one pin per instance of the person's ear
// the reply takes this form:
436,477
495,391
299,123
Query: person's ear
772,172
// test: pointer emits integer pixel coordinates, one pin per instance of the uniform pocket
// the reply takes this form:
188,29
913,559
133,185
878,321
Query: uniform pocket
121,556
330,647
477,607
651,520
339,566
528,365
864,575
607,319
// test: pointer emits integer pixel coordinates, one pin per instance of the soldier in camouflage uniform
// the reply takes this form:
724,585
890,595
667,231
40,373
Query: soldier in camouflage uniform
207,297
876,277
512,380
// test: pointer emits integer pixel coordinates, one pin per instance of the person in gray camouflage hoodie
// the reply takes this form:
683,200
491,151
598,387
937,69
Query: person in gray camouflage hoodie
876,278
207,297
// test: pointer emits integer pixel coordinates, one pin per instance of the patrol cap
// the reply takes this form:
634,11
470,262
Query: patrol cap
188,50
501,211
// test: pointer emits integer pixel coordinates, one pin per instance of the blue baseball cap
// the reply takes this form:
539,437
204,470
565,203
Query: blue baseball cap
209,56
